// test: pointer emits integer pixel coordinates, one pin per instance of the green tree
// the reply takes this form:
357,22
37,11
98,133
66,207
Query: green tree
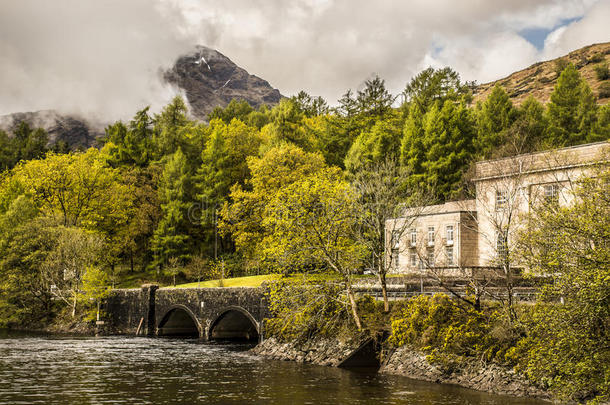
602,129
171,238
30,143
224,164
310,106
447,141
73,251
312,221
495,116
242,216
382,141
169,128
374,100
95,289
286,126
572,110
239,109
25,296
78,189
436,85
527,134
412,151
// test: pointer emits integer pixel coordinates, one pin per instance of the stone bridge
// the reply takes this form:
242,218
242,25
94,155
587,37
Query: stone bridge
207,313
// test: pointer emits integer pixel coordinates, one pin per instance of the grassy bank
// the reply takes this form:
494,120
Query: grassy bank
248,281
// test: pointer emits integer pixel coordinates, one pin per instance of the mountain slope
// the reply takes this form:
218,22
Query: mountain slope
539,79
77,132
210,79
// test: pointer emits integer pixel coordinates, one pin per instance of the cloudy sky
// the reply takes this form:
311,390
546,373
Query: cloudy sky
103,57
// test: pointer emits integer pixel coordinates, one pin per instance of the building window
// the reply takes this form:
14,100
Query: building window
395,258
430,235
502,246
413,237
551,193
501,198
449,254
395,239
413,257
430,257
449,229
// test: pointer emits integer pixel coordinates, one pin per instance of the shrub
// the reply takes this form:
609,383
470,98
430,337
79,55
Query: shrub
444,330
596,58
604,90
602,72
560,65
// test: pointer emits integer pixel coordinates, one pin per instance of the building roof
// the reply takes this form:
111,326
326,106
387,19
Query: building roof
446,208
563,158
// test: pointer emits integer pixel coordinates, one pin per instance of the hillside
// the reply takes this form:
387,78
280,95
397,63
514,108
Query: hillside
77,132
539,79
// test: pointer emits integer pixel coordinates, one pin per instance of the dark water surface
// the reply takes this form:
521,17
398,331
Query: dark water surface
39,369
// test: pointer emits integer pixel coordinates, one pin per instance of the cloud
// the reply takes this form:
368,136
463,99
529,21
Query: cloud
592,28
103,58
100,59
328,46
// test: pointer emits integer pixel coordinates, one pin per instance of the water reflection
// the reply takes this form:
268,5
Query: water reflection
40,369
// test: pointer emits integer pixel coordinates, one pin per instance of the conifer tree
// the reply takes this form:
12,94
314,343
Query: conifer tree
412,152
495,117
377,144
449,136
168,136
171,238
572,110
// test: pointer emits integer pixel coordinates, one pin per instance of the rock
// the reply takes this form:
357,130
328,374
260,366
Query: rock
210,79
472,374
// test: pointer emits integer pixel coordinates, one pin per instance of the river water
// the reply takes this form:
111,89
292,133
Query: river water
42,369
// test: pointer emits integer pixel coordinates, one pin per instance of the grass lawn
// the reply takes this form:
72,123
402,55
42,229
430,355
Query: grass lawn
249,281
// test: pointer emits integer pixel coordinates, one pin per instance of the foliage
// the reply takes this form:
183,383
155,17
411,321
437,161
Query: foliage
602,72
27,143
303,308
78,189
312,222
95,289
495,116
171,238
572,110
432,86
444,330
243,217
567,345
604,90
381,142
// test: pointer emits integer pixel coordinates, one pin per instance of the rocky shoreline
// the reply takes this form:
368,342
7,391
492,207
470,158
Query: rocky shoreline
474,374
407,362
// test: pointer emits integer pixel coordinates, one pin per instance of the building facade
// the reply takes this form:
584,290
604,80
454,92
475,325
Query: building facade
481,232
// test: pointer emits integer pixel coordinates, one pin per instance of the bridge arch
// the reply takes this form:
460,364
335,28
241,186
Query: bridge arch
234,323
179,320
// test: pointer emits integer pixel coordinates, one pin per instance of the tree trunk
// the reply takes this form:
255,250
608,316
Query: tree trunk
352,302
74,305
384,292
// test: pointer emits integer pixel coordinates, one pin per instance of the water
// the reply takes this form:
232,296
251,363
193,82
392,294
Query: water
39,369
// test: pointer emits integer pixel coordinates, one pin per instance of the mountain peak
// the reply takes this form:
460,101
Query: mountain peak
211,79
